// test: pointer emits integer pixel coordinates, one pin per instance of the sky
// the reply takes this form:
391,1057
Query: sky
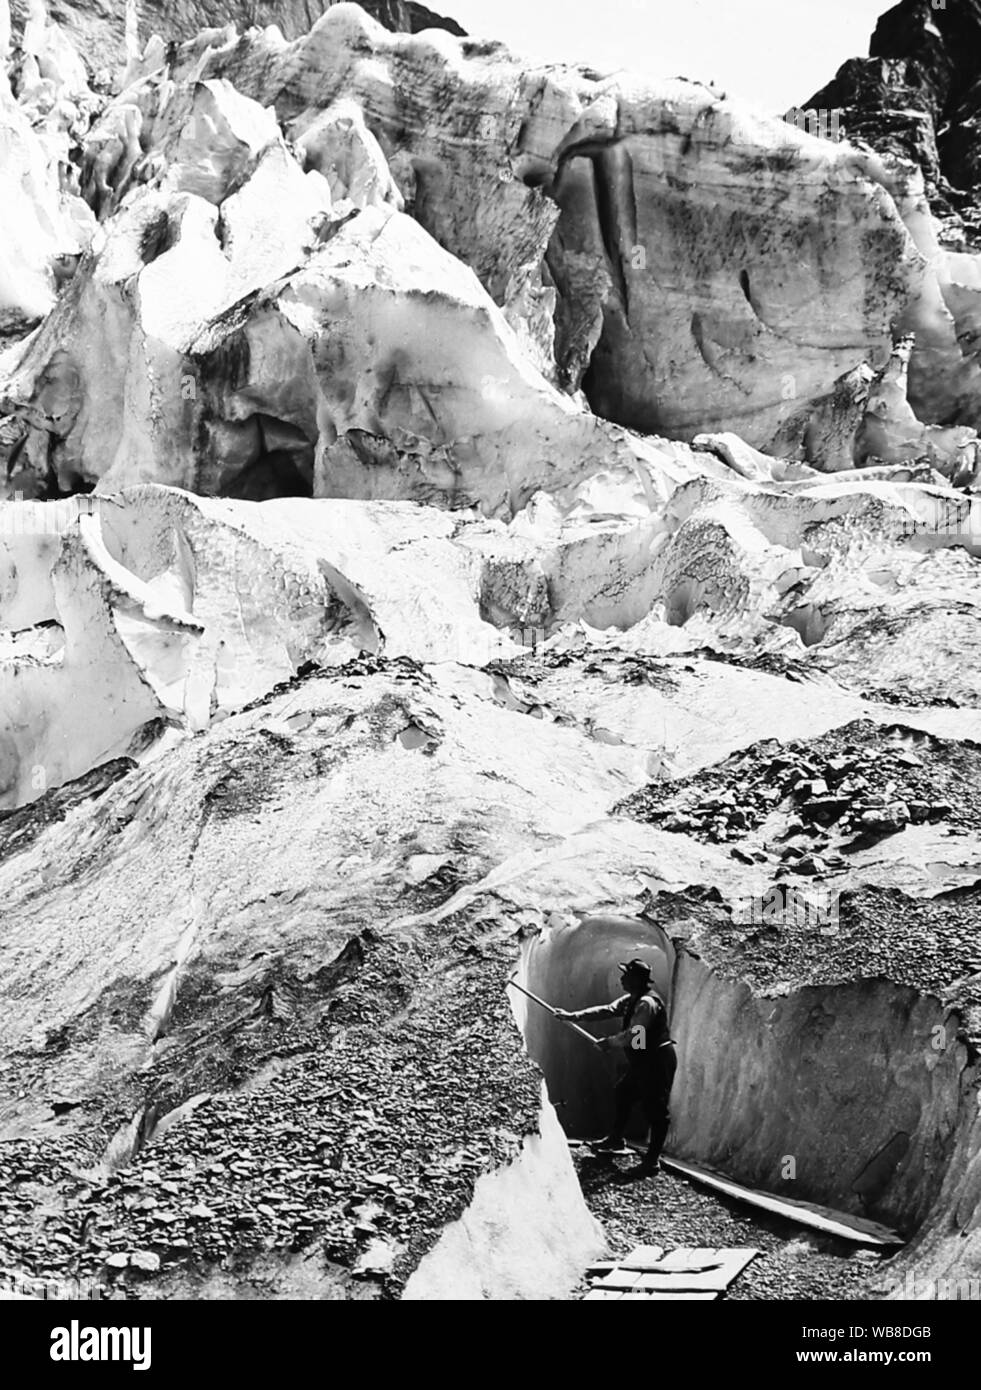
772,53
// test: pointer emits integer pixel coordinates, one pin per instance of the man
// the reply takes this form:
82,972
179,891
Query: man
650,1055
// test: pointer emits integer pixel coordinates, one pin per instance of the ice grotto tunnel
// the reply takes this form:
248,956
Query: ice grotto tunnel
575,965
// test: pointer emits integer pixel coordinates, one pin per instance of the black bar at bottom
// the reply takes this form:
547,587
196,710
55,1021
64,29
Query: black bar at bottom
368,1339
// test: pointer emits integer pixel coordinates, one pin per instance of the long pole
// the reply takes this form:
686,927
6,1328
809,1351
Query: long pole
567,1021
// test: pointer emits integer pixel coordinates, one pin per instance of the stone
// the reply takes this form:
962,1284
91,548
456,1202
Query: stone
811,864
838,769
886,819
824,809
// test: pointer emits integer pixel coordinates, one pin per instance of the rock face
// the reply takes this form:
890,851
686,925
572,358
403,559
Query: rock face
359,647
916,95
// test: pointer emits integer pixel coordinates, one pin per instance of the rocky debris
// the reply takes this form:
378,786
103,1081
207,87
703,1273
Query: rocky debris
928,945
861,780
690,709
362,1164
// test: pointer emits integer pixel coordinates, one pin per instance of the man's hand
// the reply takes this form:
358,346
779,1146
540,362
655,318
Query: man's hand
566,1014
604,1044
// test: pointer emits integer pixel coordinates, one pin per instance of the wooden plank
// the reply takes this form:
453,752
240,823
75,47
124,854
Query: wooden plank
646,1258
686,1259
619,1279
642,1253
819,1218
601,1295
719,1278
643,1257
689,1273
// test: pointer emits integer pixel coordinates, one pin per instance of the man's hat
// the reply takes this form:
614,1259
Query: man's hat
636,967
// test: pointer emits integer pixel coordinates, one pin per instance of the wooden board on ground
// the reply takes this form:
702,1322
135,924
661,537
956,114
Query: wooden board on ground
819,1218
648,1273
682,1271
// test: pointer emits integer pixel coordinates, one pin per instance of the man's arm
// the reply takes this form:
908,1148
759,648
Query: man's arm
641,1027
613,1010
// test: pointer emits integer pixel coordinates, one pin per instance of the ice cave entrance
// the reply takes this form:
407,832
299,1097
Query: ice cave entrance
573,966
838,1094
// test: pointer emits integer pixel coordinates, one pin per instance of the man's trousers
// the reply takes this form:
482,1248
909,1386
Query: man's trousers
647,1084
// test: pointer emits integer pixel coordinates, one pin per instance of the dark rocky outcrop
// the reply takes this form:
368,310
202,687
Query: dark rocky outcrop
918,96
